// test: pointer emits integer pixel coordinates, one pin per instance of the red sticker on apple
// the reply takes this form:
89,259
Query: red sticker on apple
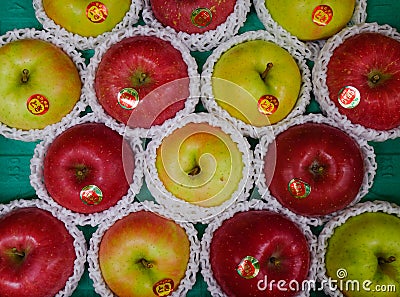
248,268
349,97
38,104
96,12
268,104
298,188
322,15
128,98
91,195
164,287
201,17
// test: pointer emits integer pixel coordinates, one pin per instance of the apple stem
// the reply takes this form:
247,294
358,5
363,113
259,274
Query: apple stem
25,76
267,69
317,169
18,253
375,79
146,263
142,78
389,260
274,261
194,171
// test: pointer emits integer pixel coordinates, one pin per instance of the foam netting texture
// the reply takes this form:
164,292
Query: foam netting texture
254,204
210,39
79,239
266,139
101,49
82,42
76,57
329,229
310,49
180,209
321,90
93,219
94,267
212,106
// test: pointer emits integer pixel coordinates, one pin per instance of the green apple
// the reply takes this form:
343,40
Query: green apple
39,84
311,20
257,82
85,17
367,247
200,164
142,253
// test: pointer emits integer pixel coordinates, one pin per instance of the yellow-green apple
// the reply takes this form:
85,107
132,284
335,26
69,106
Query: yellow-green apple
319,169
259,253
200,164
85,17
363,253
362,78
144,255
37,253
132,69
40,84
311,20
256,81
192,17
88,168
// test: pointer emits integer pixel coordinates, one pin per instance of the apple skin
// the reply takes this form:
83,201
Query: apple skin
297,17
263,235
88,154
358,245
177,14
72,16
145,237
49,254
122,67
326,158
242,66
52,74
200,164
354,63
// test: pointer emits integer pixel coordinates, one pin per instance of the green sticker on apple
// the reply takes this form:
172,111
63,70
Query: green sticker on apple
201,17
322,15
128,98
96,12
91,195
298,188
248,268
349,97
164,287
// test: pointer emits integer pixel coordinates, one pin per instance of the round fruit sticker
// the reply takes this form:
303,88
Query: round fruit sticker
201,17
299,188
38,104
268,104
248,268
91,195
128,98
349,97
164,287
96,12
322,15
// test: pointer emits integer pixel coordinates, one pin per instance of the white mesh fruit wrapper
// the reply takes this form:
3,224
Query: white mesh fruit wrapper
76,57
367,151
254,204
79,239
180,209
212,106
82,42
94,267
100,50
321,89
310,49
339,219
93,219
210,39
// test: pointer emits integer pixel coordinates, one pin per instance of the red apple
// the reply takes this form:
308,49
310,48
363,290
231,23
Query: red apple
130,70
88,168
319,169
259,253
37,253
370,63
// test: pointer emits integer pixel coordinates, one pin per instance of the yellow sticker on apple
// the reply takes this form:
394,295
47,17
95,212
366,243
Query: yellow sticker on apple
91,195
201,17
349,97
298,188
96,12
38,104
322,15
128,98
268,104
164,287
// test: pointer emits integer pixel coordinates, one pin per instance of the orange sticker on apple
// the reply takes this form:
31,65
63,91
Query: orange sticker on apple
38,104
164,287
268,104
96,12
128,98
91,195
248,268
298,188
322,15
349,97
201,17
